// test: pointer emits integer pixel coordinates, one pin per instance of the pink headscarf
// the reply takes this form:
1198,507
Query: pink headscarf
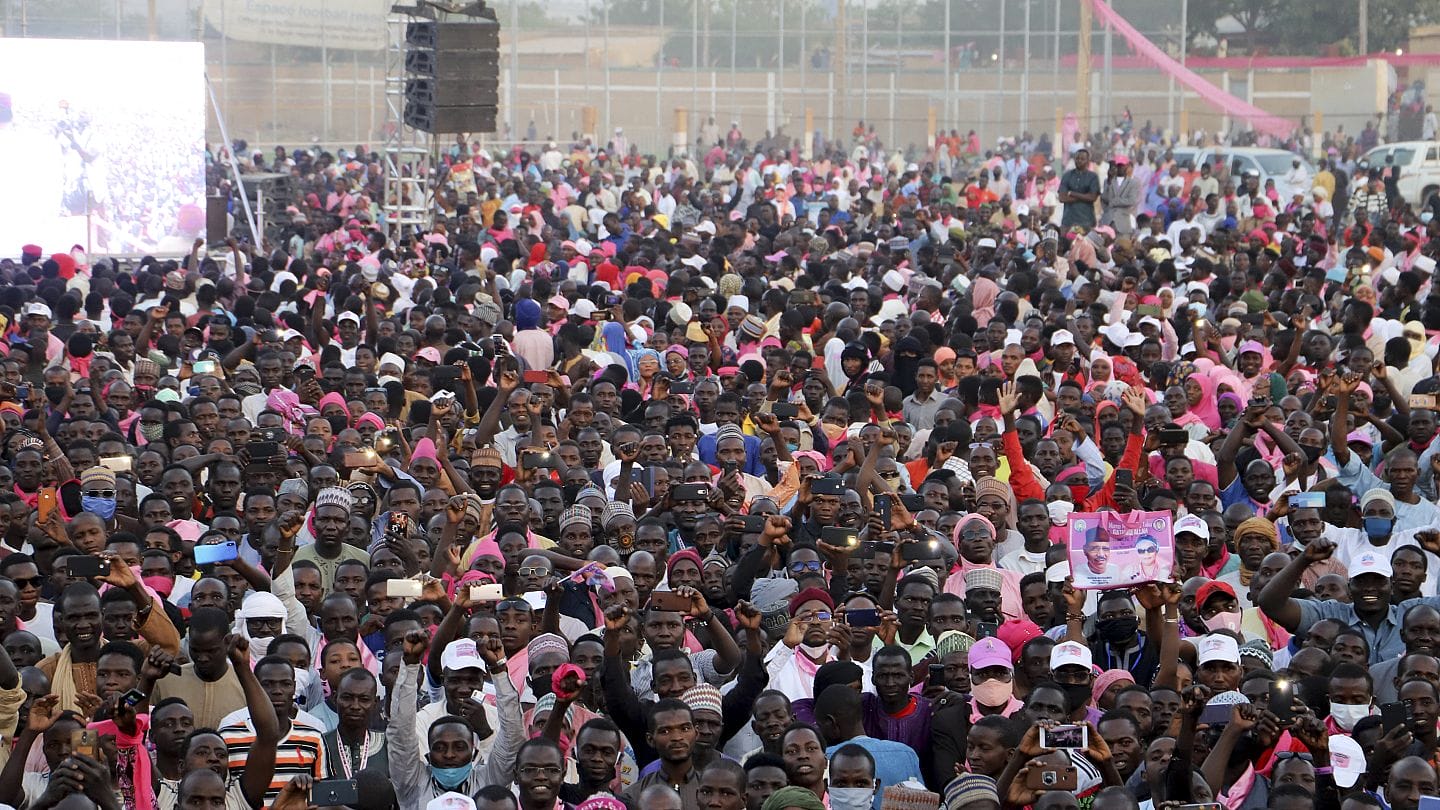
1107,679
425,448
370,419
1206,409
820,459
966,520
292,413
333,398
982,299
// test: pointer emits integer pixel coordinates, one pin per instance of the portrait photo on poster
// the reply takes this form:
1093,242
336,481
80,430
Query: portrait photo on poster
1113,550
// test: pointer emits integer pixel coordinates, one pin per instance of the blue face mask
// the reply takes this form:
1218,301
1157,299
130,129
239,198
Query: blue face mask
103,507
1377,527
450,778
793,447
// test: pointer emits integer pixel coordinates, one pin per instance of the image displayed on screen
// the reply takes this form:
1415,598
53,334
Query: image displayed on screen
102,145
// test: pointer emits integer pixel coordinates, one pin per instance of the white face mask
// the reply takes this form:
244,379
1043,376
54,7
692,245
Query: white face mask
851,798
1346,715
1059,511
304,679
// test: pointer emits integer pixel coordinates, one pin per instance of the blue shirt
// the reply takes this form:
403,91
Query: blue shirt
894,762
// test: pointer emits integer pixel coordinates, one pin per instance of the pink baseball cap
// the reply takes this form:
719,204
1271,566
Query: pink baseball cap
990,652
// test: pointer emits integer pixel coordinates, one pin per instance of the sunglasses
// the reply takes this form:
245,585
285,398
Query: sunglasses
99,493
536,571
33,582
801,567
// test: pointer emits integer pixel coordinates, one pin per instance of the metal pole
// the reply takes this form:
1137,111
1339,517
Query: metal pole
1364,35
1184,44
514,77
1109,73
780,105
659,81
804,58
1000,51
734,37
1055,65
1025,75
695,62
865,58
274,104
589,16
946,96
325,81
234,166
600,137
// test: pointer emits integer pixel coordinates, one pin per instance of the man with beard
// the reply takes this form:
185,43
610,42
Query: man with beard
331,525
1420,631
598,748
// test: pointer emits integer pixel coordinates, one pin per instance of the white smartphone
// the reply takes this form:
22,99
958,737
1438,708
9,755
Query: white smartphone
407,588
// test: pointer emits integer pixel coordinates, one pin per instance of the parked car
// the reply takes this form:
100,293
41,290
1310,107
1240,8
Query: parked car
1270,164
1419,165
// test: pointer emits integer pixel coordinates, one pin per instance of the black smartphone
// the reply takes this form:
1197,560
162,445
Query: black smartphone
882,508
334,793
863,617
1395,714
132,698
1125,478
646,477
827,486
785,410
531,461
752,524
1170,438
262,451
681,387
839,536
937,675
921,550
914,502
85,566
690,492
1281,701
986,629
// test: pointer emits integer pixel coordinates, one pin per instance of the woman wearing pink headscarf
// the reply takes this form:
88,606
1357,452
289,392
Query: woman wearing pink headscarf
1200,398
982,299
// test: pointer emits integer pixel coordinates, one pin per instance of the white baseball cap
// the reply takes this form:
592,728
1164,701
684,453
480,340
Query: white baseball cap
1062,337
1071,653
1216,647
1191,524
451,801
1368,562
1347,760
461,654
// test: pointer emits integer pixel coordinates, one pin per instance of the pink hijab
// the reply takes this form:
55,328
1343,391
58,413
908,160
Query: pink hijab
1205,411
982,299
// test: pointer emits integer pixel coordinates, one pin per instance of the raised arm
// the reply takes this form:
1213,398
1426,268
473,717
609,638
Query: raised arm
1275,598
260,764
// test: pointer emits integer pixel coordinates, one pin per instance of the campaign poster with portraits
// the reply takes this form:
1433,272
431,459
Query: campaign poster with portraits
1114,550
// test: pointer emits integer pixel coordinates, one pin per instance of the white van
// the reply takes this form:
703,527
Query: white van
1419,163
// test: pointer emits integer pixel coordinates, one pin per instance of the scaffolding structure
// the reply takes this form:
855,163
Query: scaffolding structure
411,156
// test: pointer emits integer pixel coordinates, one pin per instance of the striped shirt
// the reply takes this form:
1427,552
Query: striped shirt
300,751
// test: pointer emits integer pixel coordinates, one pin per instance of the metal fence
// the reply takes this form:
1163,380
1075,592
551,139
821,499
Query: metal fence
296,72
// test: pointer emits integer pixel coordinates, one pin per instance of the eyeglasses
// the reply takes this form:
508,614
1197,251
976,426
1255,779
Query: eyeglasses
890,475
817,616
513,604
33,582
1151,551
812,566
540,770
535,571
1281,756
99,493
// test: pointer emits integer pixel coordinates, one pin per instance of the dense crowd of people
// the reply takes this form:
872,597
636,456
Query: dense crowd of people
733,481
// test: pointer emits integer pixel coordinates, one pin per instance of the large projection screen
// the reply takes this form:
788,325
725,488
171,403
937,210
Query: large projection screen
102,145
